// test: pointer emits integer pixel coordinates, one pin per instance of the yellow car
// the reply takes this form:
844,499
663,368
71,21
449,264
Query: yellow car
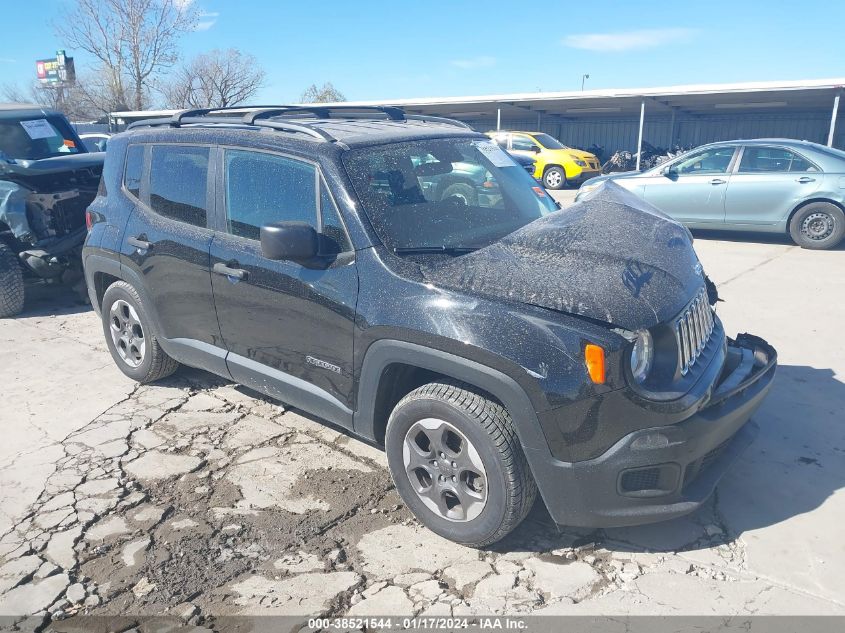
556,164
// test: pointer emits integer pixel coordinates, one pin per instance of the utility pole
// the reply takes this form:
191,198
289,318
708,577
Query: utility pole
583,79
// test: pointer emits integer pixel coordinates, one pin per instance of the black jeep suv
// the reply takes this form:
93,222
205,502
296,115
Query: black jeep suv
494,344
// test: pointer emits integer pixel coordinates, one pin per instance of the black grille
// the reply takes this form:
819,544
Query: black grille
642,479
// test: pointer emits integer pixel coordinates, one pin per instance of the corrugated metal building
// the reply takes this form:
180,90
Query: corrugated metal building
677,115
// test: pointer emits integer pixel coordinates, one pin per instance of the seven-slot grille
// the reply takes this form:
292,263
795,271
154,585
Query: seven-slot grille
694,329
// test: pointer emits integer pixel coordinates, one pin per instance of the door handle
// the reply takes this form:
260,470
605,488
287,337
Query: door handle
805,179
139,243
718,181
222,269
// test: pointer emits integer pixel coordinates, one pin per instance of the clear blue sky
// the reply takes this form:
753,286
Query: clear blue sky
384,50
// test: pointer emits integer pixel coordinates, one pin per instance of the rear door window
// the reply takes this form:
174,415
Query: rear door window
179,183
773,160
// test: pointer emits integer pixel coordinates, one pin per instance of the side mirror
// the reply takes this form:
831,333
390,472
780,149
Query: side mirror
671,173
535,149
294,241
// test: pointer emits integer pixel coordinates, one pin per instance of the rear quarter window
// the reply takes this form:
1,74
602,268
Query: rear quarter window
134,169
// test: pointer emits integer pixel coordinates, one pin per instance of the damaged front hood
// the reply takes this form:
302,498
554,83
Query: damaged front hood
611,257
57,164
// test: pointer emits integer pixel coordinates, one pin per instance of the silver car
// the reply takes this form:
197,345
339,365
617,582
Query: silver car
768,185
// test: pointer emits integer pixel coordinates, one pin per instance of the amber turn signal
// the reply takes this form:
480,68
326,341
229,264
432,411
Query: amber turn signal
594,357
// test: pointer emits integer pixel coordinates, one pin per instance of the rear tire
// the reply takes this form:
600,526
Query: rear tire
817,226
457,463
554,178
11,283
130,336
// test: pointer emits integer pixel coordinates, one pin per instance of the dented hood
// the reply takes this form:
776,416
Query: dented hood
611,257
54,165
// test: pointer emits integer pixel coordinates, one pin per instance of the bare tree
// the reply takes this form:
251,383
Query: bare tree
15,94
215,80
326,93
67,99
133,40
98,94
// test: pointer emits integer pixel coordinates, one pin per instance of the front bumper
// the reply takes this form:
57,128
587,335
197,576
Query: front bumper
664,472
585,175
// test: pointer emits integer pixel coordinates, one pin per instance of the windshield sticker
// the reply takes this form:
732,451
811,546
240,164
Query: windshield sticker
494,153
39,128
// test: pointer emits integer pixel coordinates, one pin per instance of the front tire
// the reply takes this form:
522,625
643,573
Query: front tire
817,226
11,283
130,336
457,463
554,178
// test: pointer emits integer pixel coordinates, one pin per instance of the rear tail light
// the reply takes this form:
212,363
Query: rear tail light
91,218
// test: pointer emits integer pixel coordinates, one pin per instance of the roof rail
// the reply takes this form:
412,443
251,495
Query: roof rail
259,116
286,126
324,112
438,119
177,118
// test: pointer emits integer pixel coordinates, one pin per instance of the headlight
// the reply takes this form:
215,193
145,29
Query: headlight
642,356
581,163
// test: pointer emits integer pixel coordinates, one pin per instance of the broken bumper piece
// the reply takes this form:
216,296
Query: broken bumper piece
664,472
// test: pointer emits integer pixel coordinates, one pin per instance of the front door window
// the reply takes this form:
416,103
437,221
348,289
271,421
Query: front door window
714,160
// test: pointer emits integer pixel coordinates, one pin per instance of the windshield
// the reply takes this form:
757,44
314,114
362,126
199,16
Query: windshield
444,195
37,138
549,142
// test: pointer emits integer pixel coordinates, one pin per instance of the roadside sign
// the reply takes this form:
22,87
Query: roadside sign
55,70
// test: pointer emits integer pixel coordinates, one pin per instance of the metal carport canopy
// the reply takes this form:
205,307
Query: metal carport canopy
819,95
696,99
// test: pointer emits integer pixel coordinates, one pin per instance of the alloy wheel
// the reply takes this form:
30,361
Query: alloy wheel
553,179
445,470
127,333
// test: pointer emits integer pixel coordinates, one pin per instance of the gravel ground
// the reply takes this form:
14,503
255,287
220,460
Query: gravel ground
200,499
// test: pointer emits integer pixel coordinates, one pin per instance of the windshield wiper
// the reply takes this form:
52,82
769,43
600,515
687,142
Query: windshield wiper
425,250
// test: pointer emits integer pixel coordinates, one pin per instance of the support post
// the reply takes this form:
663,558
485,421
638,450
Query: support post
498,119
640,134
672,130
833,120
538,121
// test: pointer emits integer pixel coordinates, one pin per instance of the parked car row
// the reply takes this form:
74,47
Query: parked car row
766,185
